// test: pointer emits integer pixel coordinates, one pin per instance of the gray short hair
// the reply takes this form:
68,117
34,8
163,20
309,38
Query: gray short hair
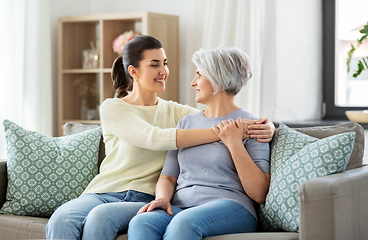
228,69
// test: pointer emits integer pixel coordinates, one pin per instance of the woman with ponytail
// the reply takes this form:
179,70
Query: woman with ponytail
138,129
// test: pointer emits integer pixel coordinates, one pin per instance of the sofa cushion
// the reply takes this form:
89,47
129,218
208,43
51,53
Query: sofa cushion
245,236
44,171
75,127
295,158
255,236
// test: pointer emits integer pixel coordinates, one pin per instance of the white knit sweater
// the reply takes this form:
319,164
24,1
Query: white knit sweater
136,141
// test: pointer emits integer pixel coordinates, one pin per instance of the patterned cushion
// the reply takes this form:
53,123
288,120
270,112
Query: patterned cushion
295,158
44,172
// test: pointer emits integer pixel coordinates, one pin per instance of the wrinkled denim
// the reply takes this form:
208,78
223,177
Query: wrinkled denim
214,218
96,216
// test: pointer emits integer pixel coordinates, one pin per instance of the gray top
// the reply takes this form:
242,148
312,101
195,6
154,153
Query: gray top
207,172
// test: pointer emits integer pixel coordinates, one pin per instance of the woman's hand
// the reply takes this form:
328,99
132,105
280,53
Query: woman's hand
157,203
229,132
261,129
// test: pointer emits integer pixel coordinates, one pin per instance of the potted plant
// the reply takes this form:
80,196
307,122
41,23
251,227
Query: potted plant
363,62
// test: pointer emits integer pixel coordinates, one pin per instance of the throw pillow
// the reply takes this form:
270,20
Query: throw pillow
45,172
295,158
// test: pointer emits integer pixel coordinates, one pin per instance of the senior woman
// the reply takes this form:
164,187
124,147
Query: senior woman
210,189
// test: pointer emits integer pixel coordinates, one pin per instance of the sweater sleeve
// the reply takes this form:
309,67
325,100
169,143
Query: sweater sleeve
171,165
119,120
183,110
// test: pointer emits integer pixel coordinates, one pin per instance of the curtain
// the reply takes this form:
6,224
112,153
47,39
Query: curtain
25,64
237,23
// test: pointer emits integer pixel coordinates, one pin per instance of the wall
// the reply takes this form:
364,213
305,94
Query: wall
292,70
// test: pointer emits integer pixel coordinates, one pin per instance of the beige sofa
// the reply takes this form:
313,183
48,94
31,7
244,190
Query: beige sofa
331,207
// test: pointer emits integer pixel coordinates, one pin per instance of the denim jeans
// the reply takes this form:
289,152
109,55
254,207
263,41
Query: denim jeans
214,218
96,216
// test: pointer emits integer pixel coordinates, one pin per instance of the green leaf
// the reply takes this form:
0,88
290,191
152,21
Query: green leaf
366,65
360,69
360,41
350,54
365,29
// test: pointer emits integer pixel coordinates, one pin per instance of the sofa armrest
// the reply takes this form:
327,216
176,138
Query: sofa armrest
3,181
335,206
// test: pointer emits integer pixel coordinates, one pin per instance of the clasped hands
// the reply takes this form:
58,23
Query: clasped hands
230,131
261,129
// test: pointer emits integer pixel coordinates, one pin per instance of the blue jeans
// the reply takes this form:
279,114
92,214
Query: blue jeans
214,218
96,216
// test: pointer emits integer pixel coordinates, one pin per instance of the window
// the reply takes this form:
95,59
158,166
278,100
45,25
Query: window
341,91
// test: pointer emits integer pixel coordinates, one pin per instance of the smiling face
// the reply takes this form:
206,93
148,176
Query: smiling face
203,88
152,73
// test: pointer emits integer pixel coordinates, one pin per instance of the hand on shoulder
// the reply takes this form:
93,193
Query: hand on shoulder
262,129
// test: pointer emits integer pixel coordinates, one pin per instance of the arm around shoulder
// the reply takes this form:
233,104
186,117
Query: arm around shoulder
121,121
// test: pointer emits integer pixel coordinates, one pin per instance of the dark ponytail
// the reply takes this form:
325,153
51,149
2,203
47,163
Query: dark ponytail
133,54
120,80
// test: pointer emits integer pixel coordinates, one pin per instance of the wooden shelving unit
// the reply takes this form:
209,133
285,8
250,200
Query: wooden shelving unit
82,90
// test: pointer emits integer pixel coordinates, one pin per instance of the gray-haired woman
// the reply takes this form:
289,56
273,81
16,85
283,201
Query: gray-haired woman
210,189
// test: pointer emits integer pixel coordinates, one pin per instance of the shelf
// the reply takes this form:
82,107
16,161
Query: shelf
97,122
82,70
106,70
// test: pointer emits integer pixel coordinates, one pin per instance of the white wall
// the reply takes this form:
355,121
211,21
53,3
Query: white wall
292,70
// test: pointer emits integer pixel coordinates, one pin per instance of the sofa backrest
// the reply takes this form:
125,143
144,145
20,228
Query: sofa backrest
355,161
3,182
356,158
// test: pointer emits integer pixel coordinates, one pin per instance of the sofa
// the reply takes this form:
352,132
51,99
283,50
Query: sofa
330,207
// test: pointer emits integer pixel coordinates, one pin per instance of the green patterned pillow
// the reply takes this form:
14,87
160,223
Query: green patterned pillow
44,172
296,158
